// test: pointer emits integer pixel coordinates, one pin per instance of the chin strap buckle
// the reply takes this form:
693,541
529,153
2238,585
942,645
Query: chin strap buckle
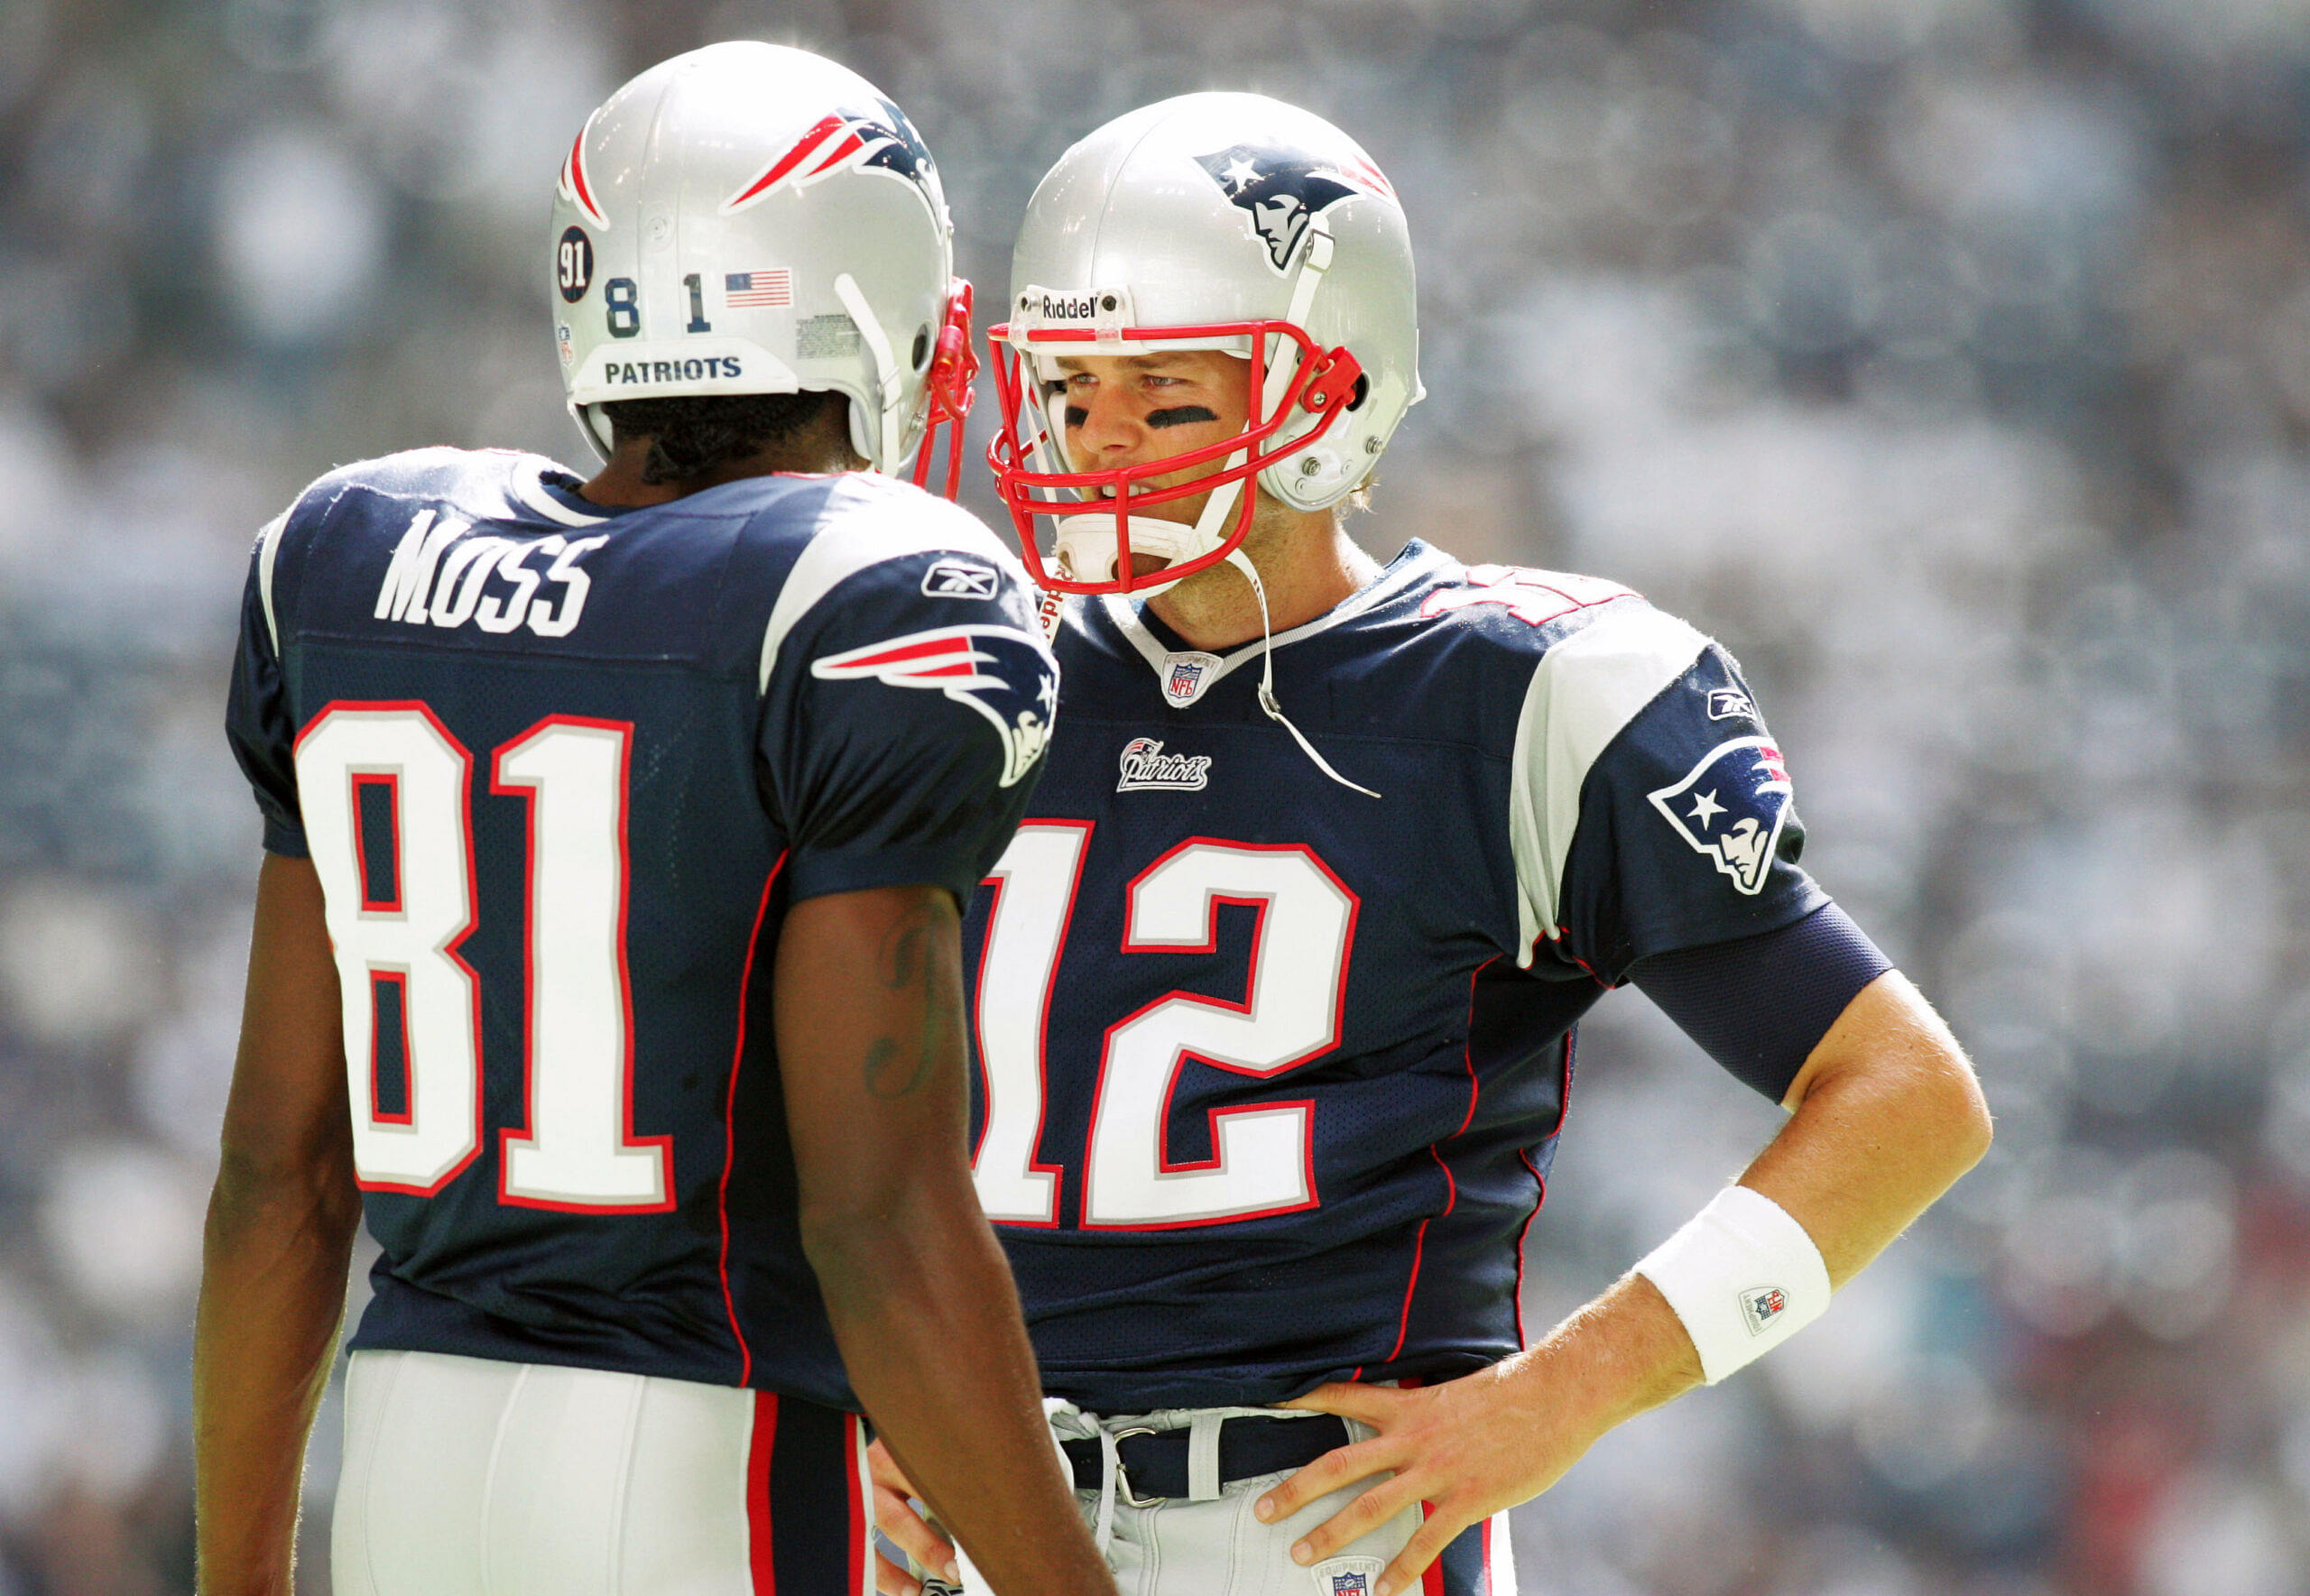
1332,381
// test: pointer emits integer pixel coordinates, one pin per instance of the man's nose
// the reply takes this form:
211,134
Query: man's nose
1112,424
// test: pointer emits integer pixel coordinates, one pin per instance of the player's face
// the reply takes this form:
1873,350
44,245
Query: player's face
1131,408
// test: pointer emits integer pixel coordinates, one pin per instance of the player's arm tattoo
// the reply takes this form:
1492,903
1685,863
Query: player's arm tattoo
907,962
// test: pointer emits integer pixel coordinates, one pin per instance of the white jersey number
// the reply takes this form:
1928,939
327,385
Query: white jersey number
1262,1156
398,939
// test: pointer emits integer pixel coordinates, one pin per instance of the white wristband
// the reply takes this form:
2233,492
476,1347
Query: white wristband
1742,1276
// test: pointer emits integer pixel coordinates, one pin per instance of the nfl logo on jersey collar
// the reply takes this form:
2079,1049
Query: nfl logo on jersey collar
1186,675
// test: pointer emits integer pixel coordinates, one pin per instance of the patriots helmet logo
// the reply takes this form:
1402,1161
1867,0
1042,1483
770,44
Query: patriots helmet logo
1731,807
1282,189
1006,675
880,138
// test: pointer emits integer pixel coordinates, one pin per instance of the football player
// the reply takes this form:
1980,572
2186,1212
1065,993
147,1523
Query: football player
607,945
1276,987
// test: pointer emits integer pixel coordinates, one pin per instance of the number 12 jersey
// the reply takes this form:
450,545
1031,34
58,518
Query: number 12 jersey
1270,1072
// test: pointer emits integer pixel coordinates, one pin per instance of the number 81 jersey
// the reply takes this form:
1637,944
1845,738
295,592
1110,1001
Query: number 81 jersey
561,772
1270,1072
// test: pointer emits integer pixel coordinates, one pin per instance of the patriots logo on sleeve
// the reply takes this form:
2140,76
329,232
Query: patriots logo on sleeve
881,138
1003,674
1731,807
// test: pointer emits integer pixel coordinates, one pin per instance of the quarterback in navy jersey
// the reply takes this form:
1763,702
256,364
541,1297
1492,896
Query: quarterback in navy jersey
1276,989
606,951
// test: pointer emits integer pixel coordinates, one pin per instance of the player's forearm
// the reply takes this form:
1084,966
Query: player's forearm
272,1291
927,1320
1888,1117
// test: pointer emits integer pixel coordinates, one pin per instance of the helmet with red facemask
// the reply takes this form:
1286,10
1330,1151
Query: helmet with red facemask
1213,221
752,218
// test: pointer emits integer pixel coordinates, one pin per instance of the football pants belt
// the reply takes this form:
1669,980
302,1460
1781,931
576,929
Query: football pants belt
1155,1461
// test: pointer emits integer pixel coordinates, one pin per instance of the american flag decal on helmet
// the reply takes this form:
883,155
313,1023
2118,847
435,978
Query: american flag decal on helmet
573,186
840,140
1005,674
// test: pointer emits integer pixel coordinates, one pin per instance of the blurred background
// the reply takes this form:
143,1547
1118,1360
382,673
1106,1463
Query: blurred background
1949,359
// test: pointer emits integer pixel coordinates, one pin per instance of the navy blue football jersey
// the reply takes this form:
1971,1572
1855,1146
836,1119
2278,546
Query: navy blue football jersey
1270,1072
562,771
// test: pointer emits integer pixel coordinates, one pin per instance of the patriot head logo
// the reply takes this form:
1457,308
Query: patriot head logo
1006,675
880,138
1283,189
1731,807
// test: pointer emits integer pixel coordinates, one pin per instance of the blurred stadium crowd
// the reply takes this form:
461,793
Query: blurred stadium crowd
1949,359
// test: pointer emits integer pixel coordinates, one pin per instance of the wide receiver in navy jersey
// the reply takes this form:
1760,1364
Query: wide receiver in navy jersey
606,950
1276,988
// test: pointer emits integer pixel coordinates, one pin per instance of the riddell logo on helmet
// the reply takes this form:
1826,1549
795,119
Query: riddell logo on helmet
1068,307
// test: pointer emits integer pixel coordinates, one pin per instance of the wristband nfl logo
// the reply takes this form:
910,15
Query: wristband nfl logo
1760,1306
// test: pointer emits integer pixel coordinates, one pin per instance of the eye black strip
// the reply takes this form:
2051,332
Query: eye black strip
1180,415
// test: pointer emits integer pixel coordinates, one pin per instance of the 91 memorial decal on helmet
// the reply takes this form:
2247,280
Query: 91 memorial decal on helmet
1731,807
1003,673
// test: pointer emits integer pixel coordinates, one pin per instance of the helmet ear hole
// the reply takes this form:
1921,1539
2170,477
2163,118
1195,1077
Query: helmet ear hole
921,355
1363,391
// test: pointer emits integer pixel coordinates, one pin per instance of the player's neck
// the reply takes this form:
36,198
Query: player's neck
619,485
1306,562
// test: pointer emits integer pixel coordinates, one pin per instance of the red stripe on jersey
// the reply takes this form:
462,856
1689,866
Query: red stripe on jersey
759,1448
730,1126
855,1444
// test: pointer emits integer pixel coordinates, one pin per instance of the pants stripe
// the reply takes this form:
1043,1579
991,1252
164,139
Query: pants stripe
761,1450
854,1438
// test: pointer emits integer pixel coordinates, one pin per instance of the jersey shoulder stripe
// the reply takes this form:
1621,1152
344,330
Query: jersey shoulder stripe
1582,693
865,524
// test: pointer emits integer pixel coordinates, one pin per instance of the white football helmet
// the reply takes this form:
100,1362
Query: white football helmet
1211,221
751,219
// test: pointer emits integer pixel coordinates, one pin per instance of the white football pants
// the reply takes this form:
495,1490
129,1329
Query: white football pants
469,1477
1179,1547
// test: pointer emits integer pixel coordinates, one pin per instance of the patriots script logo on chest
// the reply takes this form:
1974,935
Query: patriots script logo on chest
1146,765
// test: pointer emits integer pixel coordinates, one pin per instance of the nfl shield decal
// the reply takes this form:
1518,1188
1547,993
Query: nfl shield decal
1187,675
1347,1576
1761,1305
1731,807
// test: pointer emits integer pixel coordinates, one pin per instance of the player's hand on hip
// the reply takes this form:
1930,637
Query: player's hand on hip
1468,1448
895,1517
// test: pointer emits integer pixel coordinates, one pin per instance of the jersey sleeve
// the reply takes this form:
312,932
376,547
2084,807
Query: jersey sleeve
258,719
1685,828
903,727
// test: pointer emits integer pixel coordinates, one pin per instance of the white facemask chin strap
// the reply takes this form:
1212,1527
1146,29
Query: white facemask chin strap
889,383
1274,711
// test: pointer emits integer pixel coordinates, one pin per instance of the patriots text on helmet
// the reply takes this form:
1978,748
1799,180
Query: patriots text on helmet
697,369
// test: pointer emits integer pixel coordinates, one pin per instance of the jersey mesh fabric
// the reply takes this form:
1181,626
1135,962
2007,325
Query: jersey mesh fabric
1434,1114
1810,970
667,646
